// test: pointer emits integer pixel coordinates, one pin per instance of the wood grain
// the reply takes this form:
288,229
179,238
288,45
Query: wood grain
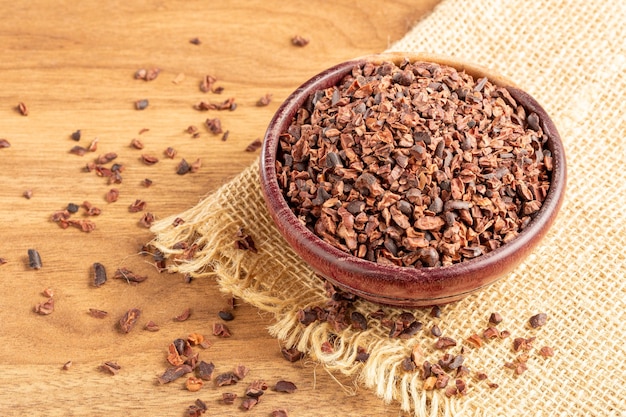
72,64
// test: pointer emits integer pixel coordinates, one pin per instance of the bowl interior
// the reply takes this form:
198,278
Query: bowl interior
395,285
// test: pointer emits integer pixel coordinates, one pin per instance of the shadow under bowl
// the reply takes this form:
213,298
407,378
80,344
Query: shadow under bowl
396,285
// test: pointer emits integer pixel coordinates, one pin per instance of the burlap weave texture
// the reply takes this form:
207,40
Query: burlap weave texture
571,56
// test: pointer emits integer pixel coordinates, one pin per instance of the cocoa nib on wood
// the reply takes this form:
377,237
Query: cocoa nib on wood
415,164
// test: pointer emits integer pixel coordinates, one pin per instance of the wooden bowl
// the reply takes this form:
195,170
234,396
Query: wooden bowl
397,285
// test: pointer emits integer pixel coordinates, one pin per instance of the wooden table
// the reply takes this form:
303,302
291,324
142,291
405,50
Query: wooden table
72,64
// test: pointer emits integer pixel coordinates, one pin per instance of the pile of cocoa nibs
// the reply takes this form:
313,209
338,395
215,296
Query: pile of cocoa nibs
415,164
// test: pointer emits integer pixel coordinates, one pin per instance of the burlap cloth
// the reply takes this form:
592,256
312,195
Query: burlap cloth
570,55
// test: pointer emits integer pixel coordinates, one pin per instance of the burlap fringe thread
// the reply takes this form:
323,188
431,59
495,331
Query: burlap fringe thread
276,280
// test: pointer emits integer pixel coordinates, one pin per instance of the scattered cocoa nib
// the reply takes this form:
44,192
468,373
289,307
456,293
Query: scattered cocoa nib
221,330
387,165
99,314
538,320
225,136
91,209
128,320
285,386
518,367
184,315
147,74
177,221
519,343
34,259
78,150
254,145
358,321
183,167
192,130
361,354
22,109
3,261
93,146
28,194
136,143
495,318
204,370
76,135
244,241
128,275
112,195
4,143
291,354
226,315
408,365
256,388
174,356
445,342
194,384
227,378
196,409
327,347
207,83
546,351
491,333
435,311
45,308
195,339
99,274
264,100
228,104
279,412
249,402
195,166
214,125
67,365
138,205
146,182
141,104
147,219
149,159
173,373
106,158
195,41
435,331
110,367
170,152
229,397
475,340
151,326
298,40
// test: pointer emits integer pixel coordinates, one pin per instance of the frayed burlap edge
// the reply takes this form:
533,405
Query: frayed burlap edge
275,280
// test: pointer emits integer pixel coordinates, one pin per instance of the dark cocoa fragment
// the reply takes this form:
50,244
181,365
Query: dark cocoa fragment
142,104
291,354
445,342
285,386
183,167
99,274
183,316
151,326
96,313
435,331
265,100
495,318
128,275
110,367
34,259
196,409
221,330
204,370
173,373
45,308
22,109
226,315
129,319
138,205
254,145
256,388
227,378
249,402
4,143
538,320
229,397
76,135
279,412
546,351
358,321
298,40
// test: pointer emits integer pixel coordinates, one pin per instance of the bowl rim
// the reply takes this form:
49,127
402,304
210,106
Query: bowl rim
427,279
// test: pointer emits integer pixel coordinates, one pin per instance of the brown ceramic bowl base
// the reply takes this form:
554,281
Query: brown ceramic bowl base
395,285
